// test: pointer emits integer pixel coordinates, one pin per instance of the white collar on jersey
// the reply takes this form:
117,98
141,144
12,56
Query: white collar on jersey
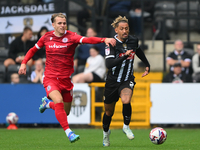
118,39
60,36
176,52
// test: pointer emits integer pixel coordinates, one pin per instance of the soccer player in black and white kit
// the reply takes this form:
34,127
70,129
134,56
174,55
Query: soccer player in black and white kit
120,80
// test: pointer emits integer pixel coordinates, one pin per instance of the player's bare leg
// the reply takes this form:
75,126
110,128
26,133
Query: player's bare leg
61,114
109,111
126,95
8,62
82,78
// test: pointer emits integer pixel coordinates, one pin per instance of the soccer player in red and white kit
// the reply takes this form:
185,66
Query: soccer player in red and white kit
60,46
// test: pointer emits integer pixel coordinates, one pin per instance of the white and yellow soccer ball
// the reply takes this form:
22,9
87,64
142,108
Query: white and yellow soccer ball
158,135
12,118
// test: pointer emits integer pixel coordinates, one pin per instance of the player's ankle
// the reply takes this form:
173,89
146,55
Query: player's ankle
125,126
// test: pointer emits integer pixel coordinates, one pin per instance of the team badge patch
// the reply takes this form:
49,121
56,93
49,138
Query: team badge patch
131,84
107,50
51,38
64,40
48,87
125,46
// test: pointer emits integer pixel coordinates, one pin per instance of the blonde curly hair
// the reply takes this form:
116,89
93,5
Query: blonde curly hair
118,20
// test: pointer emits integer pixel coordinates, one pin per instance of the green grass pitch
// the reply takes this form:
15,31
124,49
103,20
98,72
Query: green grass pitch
91,139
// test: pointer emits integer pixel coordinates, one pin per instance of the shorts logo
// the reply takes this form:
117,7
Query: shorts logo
107,50
131,84
79,103
64,40
48,87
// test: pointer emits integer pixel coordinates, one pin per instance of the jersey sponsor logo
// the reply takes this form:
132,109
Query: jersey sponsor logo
57,46
130,57
64,40
107,50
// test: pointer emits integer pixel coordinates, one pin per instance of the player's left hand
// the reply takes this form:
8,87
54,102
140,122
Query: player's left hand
22,69
111,41
146,72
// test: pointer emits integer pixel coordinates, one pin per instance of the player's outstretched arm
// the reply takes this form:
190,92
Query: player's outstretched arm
22,69
97,40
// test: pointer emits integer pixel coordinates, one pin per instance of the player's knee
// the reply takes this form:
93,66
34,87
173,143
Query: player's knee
58,100
126,100
109,113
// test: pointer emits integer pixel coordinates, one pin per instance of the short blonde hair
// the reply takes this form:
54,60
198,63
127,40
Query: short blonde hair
118,20
61,15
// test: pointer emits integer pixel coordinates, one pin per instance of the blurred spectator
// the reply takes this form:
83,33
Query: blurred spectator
179,55
14,78
196,65
118,7
136,15
177,76
37,74
19,47
82,52
83,15
41,53
94,69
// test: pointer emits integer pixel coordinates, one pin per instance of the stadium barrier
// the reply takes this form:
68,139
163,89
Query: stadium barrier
140,102
24,100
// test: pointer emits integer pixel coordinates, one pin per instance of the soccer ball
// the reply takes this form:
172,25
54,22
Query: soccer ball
12,118
158,135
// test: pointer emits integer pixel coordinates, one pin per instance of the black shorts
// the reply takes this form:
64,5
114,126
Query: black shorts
96,78
112,94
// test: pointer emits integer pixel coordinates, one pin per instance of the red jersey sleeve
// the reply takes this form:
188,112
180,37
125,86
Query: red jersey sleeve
87,40
33,50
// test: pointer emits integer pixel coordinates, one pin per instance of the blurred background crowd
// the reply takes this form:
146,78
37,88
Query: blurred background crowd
168,32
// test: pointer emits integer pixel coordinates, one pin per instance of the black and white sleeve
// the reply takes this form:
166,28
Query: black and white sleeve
111,60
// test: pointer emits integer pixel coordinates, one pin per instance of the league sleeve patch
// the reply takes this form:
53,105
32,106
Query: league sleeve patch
107,50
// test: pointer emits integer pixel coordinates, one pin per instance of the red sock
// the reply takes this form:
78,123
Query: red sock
61,115
52,105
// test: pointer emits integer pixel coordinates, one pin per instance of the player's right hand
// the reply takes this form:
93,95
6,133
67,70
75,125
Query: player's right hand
22,69
128,52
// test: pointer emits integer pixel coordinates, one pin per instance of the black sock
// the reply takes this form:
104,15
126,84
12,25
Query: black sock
127,111
106,122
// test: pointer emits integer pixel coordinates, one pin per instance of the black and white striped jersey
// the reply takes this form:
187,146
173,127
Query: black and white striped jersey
123,71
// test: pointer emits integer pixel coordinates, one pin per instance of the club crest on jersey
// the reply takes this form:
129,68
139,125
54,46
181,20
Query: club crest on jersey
107,50
124,46
51,38
48,87
64,40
